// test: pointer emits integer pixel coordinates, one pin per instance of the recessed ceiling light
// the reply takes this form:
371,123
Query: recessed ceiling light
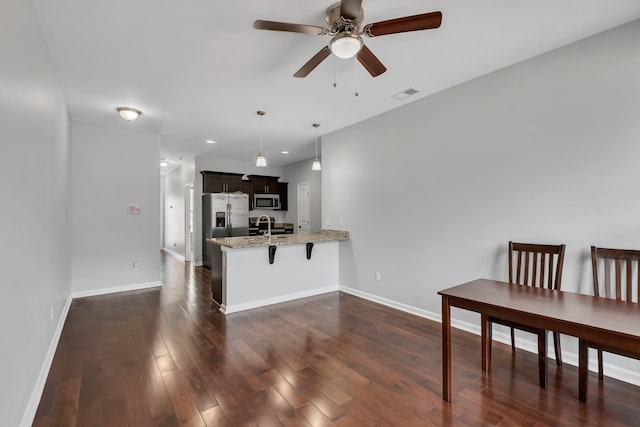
284,152
129,114
210,141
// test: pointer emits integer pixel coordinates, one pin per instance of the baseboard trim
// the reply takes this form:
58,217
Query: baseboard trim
115,289
175,254
36,394
571,358
276,300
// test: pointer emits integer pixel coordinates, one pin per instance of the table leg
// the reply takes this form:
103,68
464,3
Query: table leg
446,349
542,358
583,365
485,328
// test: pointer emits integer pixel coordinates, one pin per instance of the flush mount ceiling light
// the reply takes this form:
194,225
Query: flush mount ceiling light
261,160
210,141
164,163
345,45
129,114
316,166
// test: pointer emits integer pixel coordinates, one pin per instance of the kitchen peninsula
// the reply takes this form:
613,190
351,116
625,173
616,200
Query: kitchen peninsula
258,271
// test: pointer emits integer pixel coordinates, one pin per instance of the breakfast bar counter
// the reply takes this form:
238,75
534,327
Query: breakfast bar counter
281,239
256,271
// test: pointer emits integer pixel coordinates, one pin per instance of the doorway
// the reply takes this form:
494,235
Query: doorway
188,222
304,207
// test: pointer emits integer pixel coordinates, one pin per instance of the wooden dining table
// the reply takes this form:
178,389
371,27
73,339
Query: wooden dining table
611,323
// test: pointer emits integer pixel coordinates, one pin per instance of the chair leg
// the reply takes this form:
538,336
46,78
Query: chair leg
600,370
513,340
542,358
556,345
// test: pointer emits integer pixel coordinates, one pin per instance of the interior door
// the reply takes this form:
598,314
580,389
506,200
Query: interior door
304,208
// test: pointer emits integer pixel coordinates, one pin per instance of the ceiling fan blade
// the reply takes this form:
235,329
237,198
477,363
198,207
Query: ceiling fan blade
425,21
292,28
350,9
313,62
371,62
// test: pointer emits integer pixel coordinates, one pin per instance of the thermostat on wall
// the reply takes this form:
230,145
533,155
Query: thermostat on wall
134,209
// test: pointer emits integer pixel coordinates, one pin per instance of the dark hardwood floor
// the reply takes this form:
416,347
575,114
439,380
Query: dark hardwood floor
166,357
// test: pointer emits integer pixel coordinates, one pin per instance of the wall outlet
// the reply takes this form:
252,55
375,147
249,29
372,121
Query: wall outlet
378,277
51,312
135,265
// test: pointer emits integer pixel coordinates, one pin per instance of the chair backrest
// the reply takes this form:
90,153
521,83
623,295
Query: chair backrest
619,269
536,265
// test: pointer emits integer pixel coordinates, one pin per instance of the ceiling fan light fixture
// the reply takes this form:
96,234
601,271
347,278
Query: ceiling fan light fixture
129,114
345,45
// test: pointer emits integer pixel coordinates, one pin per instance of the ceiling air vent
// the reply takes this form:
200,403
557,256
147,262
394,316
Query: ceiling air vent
405,94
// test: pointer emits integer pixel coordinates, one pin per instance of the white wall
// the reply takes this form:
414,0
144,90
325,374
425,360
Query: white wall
297,173
35,145
544,151
174,205
113,168
206,162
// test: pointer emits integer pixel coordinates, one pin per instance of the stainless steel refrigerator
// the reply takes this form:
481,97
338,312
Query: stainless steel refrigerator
223,215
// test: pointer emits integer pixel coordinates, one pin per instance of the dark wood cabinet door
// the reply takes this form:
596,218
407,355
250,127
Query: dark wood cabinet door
283,190
271,185
234,183
212,183
247,187
259,183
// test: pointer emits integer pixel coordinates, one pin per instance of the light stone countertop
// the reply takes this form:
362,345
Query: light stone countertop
280,239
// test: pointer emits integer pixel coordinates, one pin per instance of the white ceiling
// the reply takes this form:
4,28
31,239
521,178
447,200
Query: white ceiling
198,70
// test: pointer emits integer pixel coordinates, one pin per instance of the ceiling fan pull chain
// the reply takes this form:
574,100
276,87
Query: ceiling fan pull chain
356,60
333,61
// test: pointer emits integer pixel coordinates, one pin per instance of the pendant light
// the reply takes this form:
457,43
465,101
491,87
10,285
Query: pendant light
261,161
316,163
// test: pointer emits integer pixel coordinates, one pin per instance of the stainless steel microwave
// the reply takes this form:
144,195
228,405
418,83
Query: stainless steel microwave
266,201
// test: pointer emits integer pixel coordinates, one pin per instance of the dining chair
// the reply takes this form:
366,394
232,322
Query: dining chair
538,266
616,275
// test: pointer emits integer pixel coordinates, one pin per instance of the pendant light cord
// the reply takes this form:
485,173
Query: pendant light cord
261,134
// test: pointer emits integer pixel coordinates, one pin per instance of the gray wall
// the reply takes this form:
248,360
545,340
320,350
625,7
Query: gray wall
544,151
295,174
114,168
35,145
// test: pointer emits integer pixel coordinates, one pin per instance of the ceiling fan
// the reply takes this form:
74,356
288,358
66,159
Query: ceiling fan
345,27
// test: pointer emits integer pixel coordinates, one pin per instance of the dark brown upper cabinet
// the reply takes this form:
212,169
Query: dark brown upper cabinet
264,184
221,182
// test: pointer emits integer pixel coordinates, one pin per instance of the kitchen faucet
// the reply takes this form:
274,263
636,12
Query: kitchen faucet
268,225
